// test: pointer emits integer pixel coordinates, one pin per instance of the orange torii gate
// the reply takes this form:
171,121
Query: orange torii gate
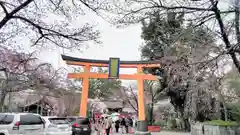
139,76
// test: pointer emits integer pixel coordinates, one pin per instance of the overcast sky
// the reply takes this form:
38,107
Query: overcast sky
121,43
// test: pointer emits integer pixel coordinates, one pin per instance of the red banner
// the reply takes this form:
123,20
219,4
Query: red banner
154,128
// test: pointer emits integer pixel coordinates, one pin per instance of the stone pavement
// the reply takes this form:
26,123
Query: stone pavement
170,133
153,133
156,133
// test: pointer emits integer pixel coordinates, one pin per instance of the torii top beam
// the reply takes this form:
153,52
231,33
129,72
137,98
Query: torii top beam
104,63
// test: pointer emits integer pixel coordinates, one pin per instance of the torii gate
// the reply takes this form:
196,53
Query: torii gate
113,64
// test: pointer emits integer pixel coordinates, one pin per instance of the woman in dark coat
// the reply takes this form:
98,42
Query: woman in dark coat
117,125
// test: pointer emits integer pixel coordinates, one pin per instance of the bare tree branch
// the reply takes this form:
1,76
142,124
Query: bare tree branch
224,33
131,97
8,16
4,8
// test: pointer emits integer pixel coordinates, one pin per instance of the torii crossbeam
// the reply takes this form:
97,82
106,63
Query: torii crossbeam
88,63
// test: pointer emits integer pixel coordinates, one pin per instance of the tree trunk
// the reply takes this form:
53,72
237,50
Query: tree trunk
41,111
225,112
2,99
151,121
223,103
186,123
224,35
237,19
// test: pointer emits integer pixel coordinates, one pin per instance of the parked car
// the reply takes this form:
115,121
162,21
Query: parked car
4,132
80,125
57,126
21,124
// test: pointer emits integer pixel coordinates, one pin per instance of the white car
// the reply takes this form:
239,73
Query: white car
57,126
21,124
4,132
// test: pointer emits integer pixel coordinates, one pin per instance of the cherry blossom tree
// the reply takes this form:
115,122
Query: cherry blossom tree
24,71
46,22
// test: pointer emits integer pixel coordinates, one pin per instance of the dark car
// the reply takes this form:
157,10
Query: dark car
80,125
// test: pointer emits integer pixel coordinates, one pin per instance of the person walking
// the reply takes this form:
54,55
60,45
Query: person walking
98,127
94,120
127,125
117,125
108,125
102,125
130,121
124,124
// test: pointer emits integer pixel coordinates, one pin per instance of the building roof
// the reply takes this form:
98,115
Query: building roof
26,98
129,110
113,104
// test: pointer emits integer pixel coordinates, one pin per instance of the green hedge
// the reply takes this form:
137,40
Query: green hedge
221,123
159,123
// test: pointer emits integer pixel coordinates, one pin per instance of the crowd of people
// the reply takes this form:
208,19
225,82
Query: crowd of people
106,124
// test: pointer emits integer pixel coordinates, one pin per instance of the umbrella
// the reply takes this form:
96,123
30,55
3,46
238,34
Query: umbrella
115,118
115,114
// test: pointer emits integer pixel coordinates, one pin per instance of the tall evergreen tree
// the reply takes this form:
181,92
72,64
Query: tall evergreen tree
177,45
